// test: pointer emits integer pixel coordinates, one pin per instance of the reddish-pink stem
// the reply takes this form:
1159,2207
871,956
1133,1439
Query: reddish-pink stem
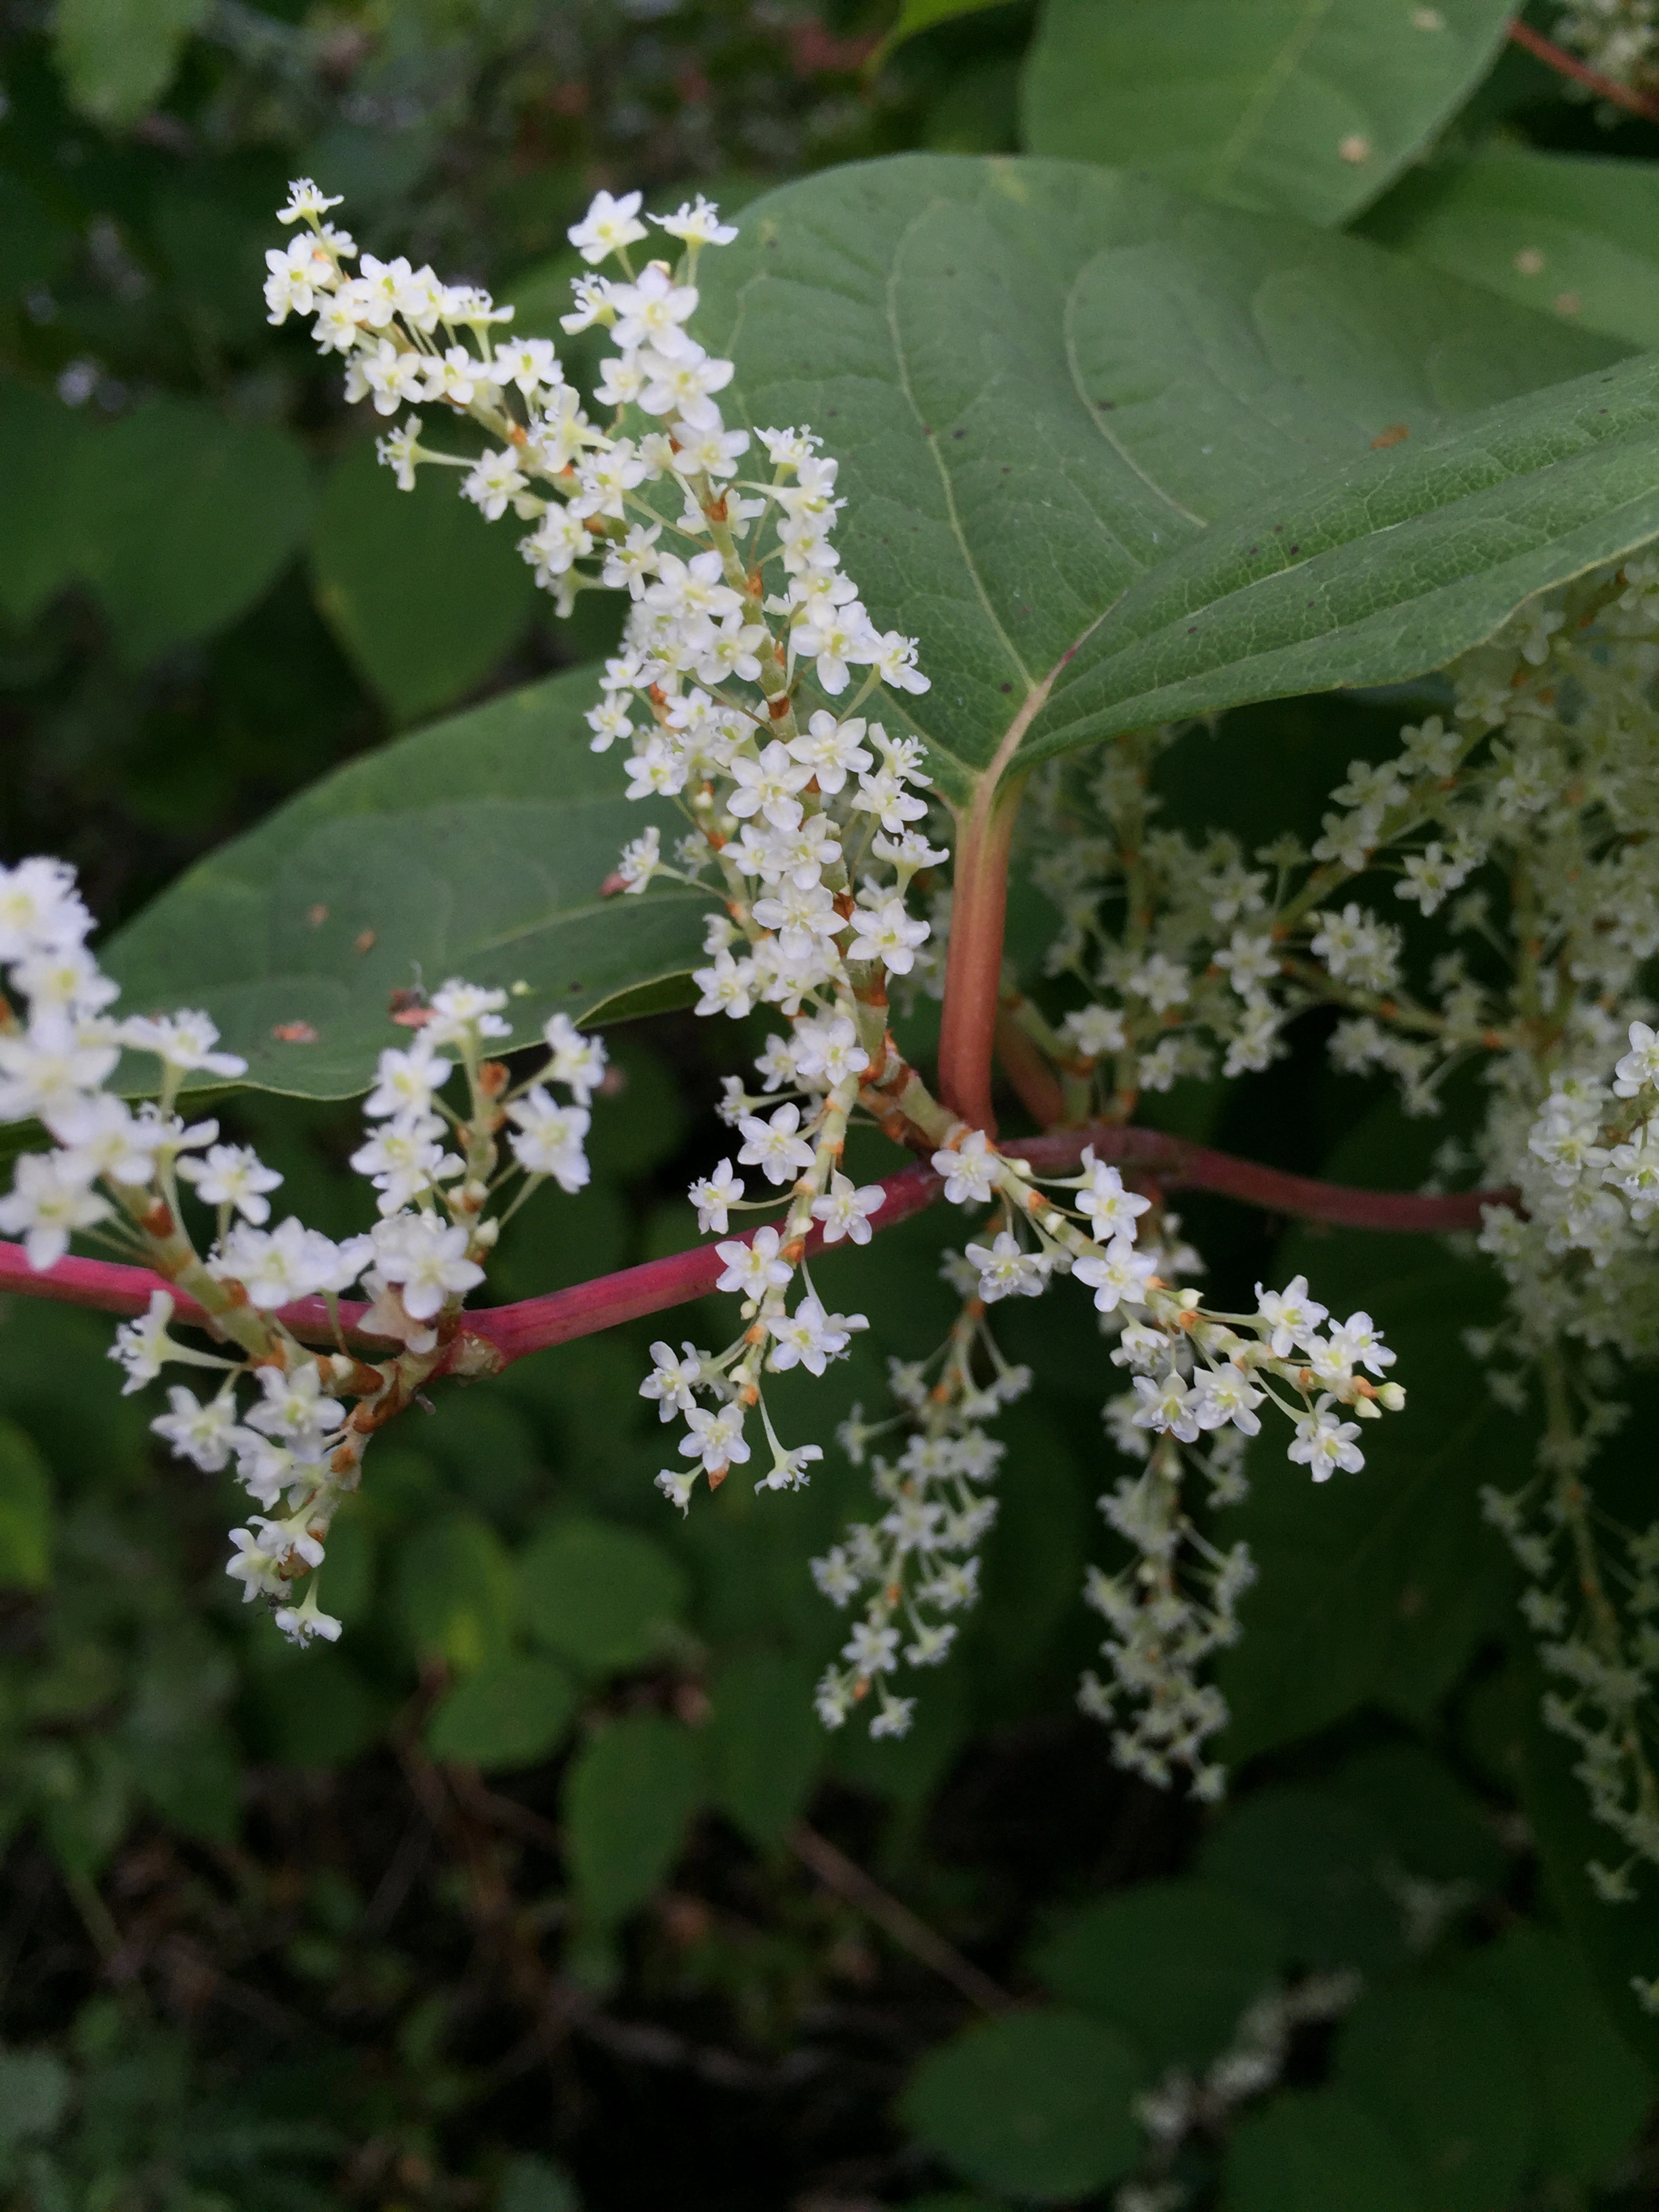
973,962
1566,65
534,1323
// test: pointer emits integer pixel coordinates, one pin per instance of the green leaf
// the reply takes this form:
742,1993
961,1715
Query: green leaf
117,56
1317,2151
1379,1584
458,1592
604,1597
915,15
36,2087
476,848
535,2185
1310,107
1594,2092
1067,405
1173,1964
1314,1866
180,519
1445,2075
627,1800
425,596
1037,2103
40,444
1437,1829
1571,233
766,1749
26,1512
512,1714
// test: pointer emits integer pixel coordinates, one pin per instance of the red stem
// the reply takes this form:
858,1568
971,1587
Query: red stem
972,960
512,1330
1566,65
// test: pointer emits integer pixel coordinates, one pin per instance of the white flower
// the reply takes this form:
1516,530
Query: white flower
872,1649
712,1194
1640,1066
753,1266
1167,1406
426,1258
1222,1394
259,1571
276,1267
232,1175
403,1159
464,1011
105,1139
697,223
142,1346
184,1040
715,1437
43,1072
1290,1314
1112,1210
845,1211
549,1139
301,1623
1248,960
204,1435
886,933
810,1337
673,1378
676,1483
45,1206
773,1145
305,202
1093,1031
41,910
1162,982
1358,1342
294,1407
492,481
609,226
1323,1444
1120,1274
407,1080
969,1170
1006,1271
727,987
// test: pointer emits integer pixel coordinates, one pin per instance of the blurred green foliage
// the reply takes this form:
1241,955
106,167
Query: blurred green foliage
496,1904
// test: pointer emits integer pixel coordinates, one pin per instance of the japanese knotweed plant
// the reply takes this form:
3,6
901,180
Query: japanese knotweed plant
749,691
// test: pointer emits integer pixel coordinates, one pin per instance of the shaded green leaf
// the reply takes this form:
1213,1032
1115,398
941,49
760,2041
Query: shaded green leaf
476,848
1173,1964
1445,2075
1317,2151
1049,384
179,520
1037,2103
603,1595
536,2185
766,1749
458,1592
313,1709
1310,107
39,445
36,2087
512,1714
1437,1829
1378,1584
1314,1867
26,1512
117,56
627,1800
915,15
1572,232
425,597
1594,2092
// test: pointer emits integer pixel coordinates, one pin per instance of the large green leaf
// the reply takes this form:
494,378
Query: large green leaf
1037,2104
179,520
424,595
117,56
1577,234
476,848
1315,2150
627,1799
1375,1585
1310,105
1045,383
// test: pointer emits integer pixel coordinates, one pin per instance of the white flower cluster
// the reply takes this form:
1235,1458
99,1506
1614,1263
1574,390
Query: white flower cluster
744,637
1528,815
919,1560
121,1173
1618,38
